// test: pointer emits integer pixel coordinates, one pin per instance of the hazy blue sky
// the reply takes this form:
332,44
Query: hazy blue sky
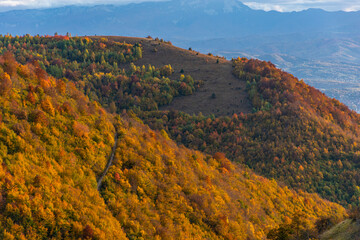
21,4
279,5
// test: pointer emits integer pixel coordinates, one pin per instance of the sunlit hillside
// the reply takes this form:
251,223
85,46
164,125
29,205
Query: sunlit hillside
55,143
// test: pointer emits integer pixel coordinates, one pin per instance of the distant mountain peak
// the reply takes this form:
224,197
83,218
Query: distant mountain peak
231,5
215,6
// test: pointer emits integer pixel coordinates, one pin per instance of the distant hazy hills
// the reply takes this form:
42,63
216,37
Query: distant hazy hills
184,19
321,47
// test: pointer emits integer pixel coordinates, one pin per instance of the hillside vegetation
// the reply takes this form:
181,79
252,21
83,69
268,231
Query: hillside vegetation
295,134
178,193
55,143
345,230
103,70
221,92
159,76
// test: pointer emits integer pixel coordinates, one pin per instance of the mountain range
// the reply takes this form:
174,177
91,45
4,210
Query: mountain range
177,19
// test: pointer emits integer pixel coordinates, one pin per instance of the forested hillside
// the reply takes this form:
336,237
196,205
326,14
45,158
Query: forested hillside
103,70
55,143
295,134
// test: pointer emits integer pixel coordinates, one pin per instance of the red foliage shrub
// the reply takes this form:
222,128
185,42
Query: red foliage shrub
88,232
38,116
80,130
9,63
5,84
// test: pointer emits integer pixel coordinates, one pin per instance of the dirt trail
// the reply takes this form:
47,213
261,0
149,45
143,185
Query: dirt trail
109,164
229,92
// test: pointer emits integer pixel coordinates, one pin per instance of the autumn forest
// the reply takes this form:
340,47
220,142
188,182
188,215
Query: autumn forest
286,169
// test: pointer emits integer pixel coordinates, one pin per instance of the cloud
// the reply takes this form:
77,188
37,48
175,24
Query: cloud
352,8
298,5
267,5
24,4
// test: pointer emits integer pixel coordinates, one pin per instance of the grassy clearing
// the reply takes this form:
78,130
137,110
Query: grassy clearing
347,229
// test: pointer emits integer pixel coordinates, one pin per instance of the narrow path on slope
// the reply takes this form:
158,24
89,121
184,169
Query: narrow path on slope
110,162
